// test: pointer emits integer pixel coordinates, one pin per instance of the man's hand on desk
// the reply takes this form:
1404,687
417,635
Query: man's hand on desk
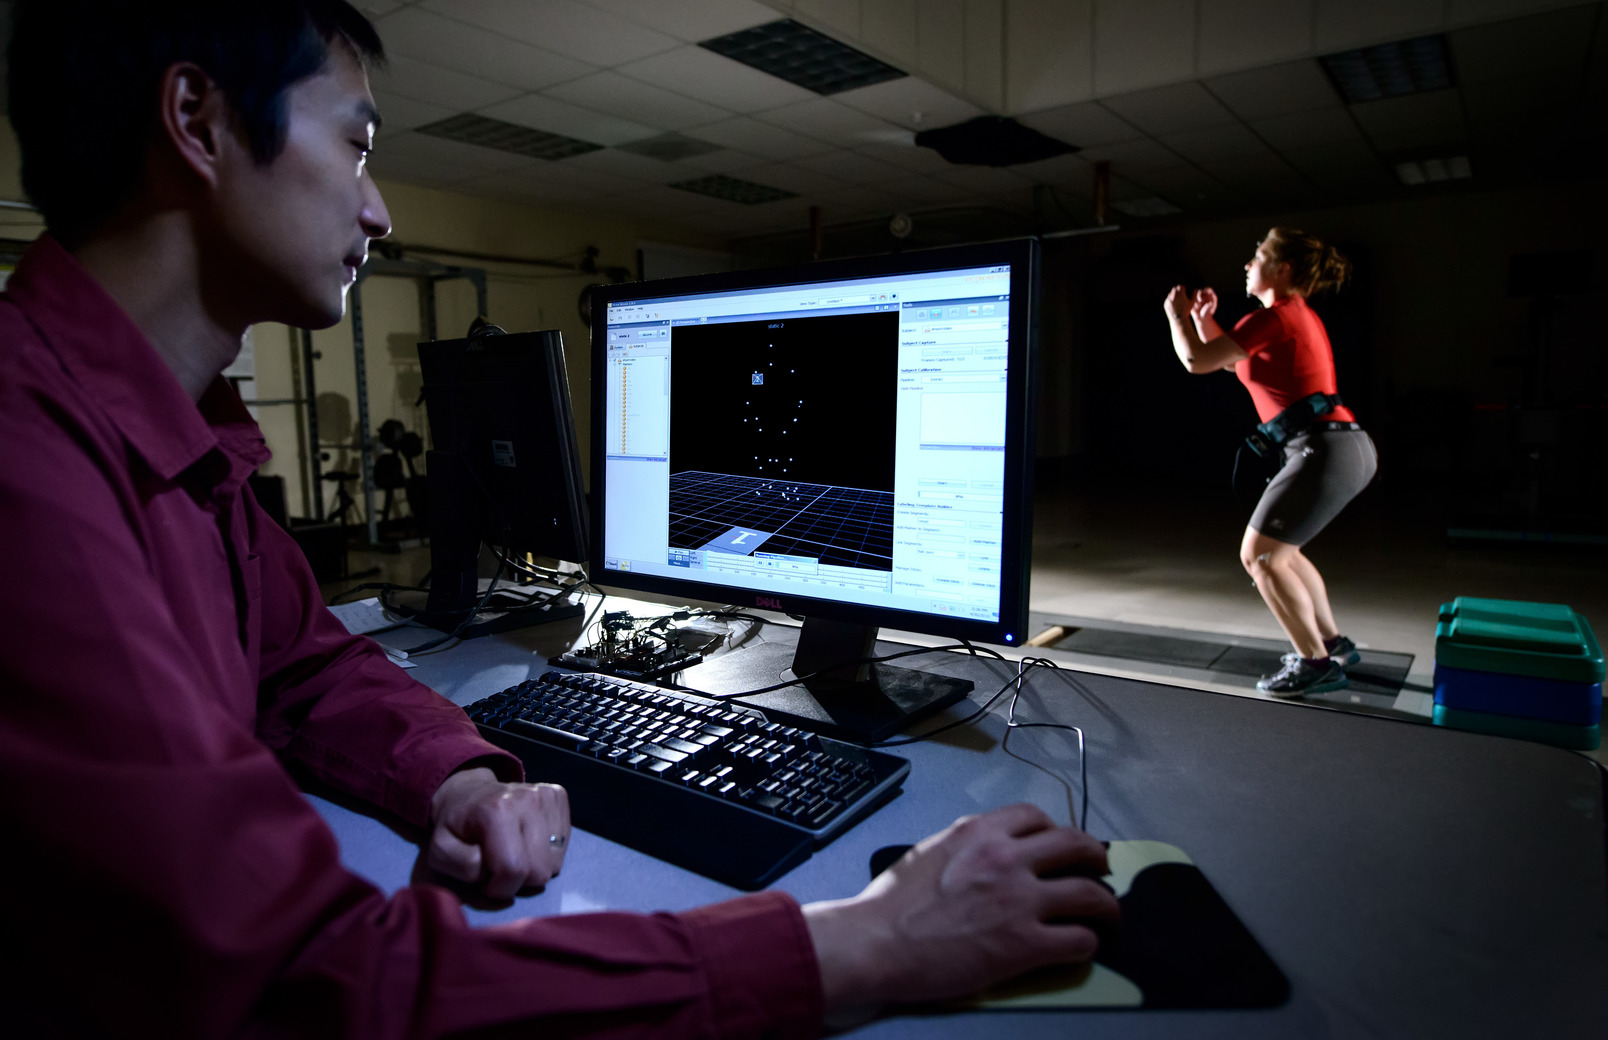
499,835
963,909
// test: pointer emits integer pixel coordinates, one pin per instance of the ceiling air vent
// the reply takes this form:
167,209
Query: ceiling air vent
1390,69
992,141
802,56
719,186
507,137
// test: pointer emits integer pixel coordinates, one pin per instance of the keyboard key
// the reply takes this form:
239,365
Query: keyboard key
664,754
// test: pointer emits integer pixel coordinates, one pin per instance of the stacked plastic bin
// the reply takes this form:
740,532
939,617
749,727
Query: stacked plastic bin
1516,669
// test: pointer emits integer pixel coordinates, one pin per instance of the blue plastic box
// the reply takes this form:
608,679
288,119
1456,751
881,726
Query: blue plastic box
1524,696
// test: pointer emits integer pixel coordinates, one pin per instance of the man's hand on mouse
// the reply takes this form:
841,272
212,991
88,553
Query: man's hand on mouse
505,837
965,908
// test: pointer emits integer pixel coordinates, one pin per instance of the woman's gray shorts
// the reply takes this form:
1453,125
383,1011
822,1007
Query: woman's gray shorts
1323,470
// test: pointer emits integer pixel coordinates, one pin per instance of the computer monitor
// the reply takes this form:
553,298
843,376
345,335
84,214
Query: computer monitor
505,471
848,441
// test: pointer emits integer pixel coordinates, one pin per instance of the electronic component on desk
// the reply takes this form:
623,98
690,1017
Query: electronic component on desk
710,786
646,652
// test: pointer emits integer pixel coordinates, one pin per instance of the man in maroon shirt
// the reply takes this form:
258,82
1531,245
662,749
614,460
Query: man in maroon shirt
165,656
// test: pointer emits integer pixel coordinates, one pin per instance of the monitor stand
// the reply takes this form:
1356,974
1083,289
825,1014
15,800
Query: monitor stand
861,703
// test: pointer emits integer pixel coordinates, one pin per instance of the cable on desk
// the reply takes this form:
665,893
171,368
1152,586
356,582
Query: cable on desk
1011,724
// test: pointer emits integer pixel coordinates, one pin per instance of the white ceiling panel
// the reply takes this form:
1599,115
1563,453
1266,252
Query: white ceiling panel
1129,53
422,34
1215,142
401,114
637,101
1166,110
1237,33
691,22
375,8
1309,129
411,78
514,187
750,135
1521,46
423,159
615,163
828,120
920,192
1256,173
1417,120
906,154
1185,186
856,201
855,167
715,80
1063,170
1342,24
1341,165
558,117
911,103
584,33
1296,86
1133,156
793,178
724,161
1050,44
1085,125
985,179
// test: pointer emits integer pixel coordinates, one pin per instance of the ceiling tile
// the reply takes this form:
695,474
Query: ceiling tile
750,135
855,201
1343,24
911,103
1255,173
715,80
401,114
724,161
1064,170
516,187
566,26
1296,86
1235,34
829,120
1523,46
1085,125
1542,99
906,154
794,178
1341,166
410,78
1413,121
615,163
1166,110
703,20
1309,129
855,167
558,117
985,179
1051,49
1138,45
376,8
1133,156
419,158
422,34
1215,142
890,27
637,101
1186,187
919,192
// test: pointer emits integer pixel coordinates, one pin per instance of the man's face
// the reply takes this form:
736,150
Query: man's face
300,226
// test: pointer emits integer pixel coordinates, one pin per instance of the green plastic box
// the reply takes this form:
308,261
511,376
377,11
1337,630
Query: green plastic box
1580,738
1512,637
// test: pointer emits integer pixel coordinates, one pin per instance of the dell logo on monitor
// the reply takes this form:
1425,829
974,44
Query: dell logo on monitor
766,601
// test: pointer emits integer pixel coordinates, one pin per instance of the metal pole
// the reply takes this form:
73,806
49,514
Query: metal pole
365,439
316,455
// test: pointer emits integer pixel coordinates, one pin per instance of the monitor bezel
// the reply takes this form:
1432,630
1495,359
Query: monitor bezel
1016,547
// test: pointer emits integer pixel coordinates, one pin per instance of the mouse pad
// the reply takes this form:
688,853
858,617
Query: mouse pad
1178,946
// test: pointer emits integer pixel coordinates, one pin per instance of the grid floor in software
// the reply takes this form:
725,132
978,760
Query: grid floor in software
841,526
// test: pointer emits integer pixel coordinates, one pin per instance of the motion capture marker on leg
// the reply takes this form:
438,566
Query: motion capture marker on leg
1264,559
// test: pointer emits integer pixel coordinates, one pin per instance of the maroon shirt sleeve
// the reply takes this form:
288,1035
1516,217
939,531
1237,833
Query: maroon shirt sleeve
164,876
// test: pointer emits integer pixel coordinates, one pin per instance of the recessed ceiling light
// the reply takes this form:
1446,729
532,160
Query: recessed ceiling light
1414,172
733,189
1154,206
669,147
1390,69
800,55
507,137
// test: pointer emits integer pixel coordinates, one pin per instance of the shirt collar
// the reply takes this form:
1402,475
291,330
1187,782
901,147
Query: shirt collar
106,353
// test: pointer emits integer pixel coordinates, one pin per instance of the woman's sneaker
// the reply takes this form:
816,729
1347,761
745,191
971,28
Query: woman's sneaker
1300,676
1342,651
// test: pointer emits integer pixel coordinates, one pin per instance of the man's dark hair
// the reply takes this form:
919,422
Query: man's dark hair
85,74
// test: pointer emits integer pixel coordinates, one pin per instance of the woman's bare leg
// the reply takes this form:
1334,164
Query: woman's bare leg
1272,565
1322,612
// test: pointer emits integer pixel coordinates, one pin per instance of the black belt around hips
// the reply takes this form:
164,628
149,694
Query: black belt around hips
1298,418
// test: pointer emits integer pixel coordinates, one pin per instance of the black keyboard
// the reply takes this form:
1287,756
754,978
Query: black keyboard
708,785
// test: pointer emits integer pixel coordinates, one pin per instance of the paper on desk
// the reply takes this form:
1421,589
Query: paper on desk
363,616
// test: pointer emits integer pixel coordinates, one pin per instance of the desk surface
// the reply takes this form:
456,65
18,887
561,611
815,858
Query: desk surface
1410,881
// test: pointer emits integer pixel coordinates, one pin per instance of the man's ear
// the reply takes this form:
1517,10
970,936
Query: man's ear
196,118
